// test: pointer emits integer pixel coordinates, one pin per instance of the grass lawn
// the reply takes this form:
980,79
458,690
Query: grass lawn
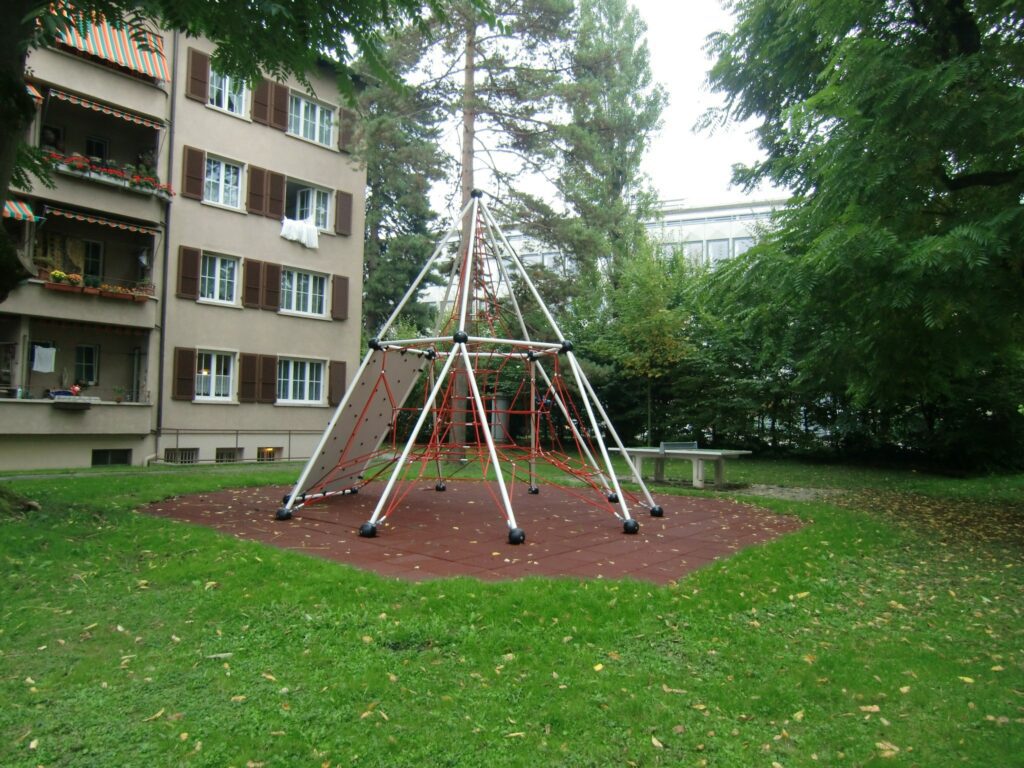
889,631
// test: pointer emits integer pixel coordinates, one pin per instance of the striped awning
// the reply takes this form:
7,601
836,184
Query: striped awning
90,218
18,210
98,38
105,109
37,97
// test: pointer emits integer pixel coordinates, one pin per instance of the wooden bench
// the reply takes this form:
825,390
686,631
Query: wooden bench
697,456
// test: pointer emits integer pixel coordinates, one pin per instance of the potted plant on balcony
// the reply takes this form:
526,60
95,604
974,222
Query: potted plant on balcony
115,292
62,281
91,286
119,394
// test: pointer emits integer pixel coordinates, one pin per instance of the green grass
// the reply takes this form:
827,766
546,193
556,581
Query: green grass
893,620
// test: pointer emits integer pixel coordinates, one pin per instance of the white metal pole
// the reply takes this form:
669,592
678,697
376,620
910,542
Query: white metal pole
618,442
597,433
400,465
490,441
419,278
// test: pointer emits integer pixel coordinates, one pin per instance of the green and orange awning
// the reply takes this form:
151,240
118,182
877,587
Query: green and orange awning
138,50
105,109
92,219
19,211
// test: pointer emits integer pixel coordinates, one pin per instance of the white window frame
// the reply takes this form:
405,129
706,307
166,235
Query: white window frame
712,257
93,364
215,173
741,245
221,387
315,199
296,384
222,88
93,253
310,120
298,295
218,280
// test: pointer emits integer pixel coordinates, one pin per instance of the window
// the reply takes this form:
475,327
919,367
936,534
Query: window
217,278
227,93
227,455
87,362
96,147
718,250
103,457
741,245
300,381
223,183
214,375
302,292
303,202
268,454
694,250
310,120
181,455
92,263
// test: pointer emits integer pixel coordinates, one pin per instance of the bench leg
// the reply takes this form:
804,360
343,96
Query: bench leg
719,473
698,473
659,470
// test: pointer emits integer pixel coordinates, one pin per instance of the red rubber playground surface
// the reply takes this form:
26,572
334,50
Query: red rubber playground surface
461,533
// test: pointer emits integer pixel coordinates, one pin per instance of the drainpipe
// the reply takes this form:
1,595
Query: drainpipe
161,365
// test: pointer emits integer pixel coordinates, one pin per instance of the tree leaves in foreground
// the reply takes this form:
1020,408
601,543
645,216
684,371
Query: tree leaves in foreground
894,283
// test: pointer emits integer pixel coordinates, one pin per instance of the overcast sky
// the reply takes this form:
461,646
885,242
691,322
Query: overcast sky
684,164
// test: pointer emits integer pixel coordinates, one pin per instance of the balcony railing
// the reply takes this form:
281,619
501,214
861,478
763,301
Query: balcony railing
133,178
56,280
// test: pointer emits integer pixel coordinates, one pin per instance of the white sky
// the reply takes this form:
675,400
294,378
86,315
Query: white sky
682,163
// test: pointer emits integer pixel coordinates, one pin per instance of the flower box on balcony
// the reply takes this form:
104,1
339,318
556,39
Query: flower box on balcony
115,295
66,287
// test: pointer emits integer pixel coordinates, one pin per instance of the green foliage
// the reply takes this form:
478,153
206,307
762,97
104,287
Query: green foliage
890,293
612,107
398,140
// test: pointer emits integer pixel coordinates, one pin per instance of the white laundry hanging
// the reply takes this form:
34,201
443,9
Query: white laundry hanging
301,231
43,359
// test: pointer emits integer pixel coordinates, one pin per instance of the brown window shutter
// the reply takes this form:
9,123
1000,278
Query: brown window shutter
343,213
339,298
257,199
197,82
272,286
252,279
188,272
261,103
193,171
275,195
247,366
184,374
279,107
267,387
346,129
336,382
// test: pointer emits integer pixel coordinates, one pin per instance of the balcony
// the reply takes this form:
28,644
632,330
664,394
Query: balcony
140,179
47,417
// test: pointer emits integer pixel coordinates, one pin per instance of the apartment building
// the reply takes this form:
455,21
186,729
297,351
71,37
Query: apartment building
197,269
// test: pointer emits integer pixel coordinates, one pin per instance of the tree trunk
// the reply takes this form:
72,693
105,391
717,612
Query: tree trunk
16,111
461,403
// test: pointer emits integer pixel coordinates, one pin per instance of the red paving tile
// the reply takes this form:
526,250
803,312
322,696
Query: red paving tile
462,533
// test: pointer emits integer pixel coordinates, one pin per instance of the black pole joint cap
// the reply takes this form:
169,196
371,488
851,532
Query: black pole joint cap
431,354
375,344
531,355
566,346
477,193
460,337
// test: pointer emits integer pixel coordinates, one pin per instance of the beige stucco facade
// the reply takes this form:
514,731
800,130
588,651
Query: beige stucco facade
175,281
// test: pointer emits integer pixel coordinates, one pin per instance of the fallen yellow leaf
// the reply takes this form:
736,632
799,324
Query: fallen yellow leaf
153,717
657,743
598,667
968,680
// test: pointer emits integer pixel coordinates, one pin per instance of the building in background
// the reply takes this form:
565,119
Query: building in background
710,234
212,322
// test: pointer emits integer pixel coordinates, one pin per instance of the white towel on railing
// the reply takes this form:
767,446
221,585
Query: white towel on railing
43,359
304,232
